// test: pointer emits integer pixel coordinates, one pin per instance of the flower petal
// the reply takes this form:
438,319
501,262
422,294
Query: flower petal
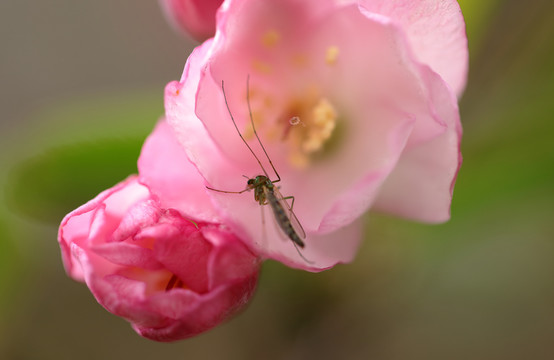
338,247
164,167
436,32
77,227
421,185
185,255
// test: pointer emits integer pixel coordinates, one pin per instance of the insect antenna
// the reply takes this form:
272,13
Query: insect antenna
255,132
236,127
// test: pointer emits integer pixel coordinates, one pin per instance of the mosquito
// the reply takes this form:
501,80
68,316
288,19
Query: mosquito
265,191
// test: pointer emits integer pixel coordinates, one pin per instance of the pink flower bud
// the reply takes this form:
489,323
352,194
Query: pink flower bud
195,17
170,277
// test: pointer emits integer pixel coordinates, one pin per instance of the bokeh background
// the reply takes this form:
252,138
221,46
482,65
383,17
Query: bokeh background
81,86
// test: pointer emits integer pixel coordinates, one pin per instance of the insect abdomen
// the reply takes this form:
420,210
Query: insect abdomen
282,218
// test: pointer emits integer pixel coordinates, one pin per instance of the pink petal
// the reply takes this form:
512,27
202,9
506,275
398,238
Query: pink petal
199,312
126,298
164,167
138,216
338,247
76,226
185,255
180,99
231,261
126,254
421,185
436,33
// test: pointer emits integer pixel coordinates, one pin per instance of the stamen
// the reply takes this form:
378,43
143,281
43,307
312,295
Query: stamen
271,38
317,128
261,67
278,122
173,283
331,55
322,124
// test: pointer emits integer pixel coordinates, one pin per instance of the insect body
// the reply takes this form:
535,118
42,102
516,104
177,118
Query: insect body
265,192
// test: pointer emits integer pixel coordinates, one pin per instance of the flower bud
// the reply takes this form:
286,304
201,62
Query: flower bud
172,278
195,17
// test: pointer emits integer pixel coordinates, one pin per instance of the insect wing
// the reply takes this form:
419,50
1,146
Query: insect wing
293,219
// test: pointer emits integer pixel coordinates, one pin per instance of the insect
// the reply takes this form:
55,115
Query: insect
265,191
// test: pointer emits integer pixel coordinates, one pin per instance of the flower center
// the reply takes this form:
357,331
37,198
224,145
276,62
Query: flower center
309,131
307,125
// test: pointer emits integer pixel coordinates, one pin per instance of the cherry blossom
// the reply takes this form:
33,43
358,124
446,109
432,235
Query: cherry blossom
355,103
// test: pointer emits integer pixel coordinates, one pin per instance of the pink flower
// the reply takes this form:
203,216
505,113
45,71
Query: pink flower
172,278
354,102
195,17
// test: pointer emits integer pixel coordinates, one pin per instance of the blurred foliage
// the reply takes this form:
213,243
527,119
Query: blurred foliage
477,287
101,149
94,117
9,261
72,152
47,187
477,15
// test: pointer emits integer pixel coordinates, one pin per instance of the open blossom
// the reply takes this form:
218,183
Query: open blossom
194,17
354,101
170,277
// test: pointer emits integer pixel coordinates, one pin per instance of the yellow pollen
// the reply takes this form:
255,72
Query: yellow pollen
298,160
323,122
317,127
306,123
271,38
268,102
261,67
331,55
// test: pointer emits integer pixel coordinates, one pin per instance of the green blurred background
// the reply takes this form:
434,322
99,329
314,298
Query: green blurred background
82,86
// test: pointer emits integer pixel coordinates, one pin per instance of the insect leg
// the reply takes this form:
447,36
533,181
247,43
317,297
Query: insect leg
227,192
264,234
292,204
300,253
